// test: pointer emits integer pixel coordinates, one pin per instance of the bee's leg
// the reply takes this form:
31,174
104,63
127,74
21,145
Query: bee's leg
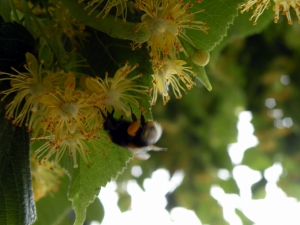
133,116
112,112
134,126
102,113
143,122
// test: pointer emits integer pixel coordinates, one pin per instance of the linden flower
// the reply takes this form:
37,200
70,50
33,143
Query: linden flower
67,110
284,6
28,86
280,5
66,23
171,73
116,89
36,9
167,21
121,7
261,5
44,179
73,143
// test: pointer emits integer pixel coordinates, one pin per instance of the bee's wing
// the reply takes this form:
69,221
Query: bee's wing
142,153
156,148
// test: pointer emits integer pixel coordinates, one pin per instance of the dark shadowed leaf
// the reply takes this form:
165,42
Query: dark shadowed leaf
16,196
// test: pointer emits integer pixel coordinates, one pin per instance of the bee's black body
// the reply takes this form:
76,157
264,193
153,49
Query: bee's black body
139,138
117,129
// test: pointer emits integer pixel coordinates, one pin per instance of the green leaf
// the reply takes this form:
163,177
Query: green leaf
259,189
16,197
289,180
218,15
290,187
87,181
5,10
201,75
124,201
58,203
15,41
242,28
257,159
27,17
244,219
229,186
94,212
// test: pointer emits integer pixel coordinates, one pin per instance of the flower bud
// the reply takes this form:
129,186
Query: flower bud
201,57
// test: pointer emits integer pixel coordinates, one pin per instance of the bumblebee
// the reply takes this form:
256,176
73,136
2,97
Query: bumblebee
137,137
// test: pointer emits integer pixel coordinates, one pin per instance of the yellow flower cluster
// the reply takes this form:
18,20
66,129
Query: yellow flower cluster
63,113
64,23
120,5
168,22
171,73
279,6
